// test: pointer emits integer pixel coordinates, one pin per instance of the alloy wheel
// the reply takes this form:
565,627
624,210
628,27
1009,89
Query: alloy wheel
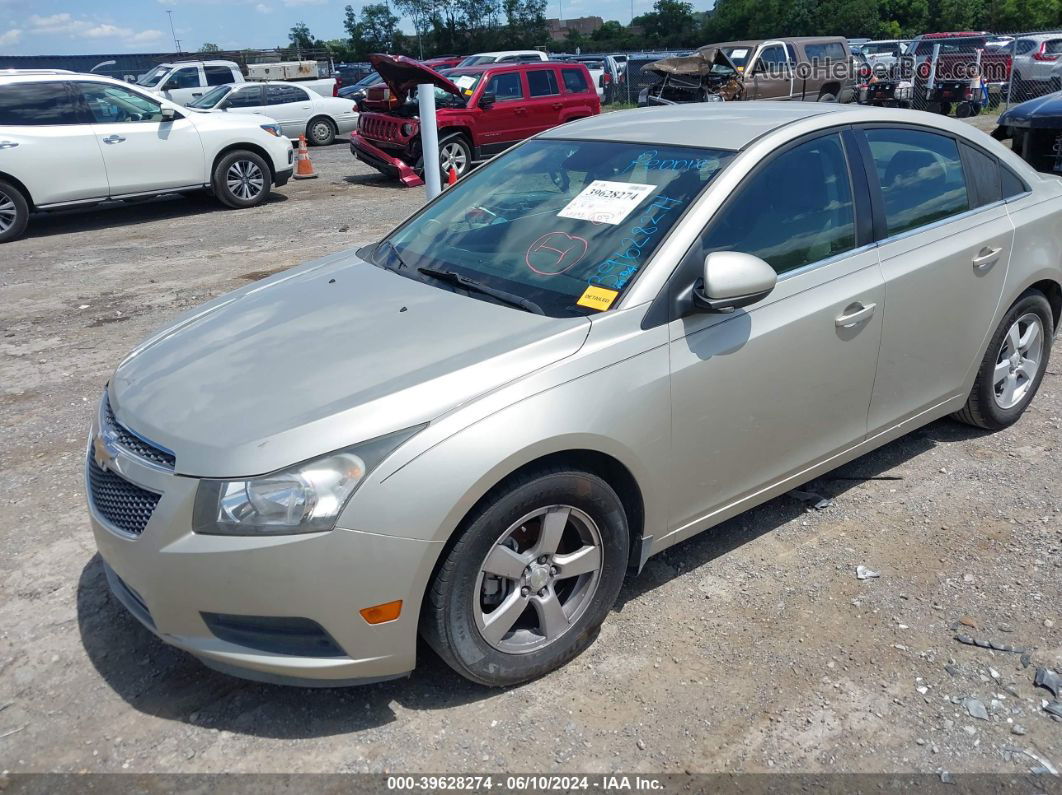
8,212
1018,361
245,179
538,579
452,155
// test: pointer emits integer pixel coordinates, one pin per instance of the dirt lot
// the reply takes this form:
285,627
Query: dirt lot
751,648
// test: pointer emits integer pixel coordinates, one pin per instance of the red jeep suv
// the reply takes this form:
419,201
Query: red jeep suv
480,111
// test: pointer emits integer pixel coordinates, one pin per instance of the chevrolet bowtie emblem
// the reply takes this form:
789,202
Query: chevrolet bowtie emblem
103,451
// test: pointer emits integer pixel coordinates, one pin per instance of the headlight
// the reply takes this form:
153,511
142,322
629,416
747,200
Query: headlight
408,129
272,129
305,498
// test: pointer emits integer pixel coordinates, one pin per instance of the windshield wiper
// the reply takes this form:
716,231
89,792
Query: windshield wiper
472,285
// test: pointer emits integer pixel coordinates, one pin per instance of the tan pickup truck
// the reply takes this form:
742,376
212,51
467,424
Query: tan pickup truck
813,69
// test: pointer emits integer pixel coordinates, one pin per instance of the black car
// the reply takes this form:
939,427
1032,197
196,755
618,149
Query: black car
356,92
1035,130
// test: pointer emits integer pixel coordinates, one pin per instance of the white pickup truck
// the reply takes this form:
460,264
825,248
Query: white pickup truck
185,81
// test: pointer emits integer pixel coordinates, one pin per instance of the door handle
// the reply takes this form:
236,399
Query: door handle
113,139
8,144
856,316
557,106
986,258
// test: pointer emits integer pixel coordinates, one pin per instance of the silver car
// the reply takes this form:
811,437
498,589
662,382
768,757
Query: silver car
618,334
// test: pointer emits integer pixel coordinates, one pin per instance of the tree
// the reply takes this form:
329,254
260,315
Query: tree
525,22
300,37
209,47
377,27
420,13
670,23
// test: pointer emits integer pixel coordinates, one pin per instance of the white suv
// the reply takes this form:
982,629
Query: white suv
69,139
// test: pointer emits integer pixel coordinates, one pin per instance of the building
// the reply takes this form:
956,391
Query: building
560,28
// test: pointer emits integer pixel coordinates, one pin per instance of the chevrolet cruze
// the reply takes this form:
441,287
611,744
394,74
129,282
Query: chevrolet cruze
616,335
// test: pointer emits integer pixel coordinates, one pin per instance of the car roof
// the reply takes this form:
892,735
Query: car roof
504,52
733,125
52,75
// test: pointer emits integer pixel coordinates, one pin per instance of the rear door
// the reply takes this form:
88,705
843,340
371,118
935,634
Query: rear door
772,72
508,120
47,145
141,151
291,106
544,103
945,248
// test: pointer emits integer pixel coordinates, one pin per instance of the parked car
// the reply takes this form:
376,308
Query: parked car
1037,64
443,62
883,55
185,81
605,73
481,111
69,140
296,110
357,92
504,56
964,73
1035,130
800,68
350,73
706,76
521,392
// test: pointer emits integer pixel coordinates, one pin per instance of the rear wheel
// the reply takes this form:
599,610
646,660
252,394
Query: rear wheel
827,98
945,108
530,578
1013,366
321,131
14,212
241,179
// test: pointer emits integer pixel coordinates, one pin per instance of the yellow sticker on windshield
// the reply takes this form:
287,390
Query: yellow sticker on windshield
597,298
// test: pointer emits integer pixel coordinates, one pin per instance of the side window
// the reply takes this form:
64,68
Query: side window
282,95
1012,185
188,77
921,177
218,75
982,176
773,58
109,104
1024,46
506,87
542,82
37,105
575,80
246,98
794,211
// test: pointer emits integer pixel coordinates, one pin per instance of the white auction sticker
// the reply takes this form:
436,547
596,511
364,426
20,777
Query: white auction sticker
605,202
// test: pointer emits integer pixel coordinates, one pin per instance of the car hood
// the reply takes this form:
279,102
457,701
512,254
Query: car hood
402,75
321,357
699,64
1045,111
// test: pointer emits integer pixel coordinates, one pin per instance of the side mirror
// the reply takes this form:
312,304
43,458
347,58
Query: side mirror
731,280
169,114
487,99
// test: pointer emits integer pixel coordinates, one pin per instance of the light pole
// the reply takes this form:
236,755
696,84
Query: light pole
173,32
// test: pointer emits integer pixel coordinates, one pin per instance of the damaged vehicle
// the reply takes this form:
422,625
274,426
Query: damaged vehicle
480,111
706,76
1035,130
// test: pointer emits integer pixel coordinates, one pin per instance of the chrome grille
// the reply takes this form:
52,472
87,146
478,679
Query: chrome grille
128,440
125,505
382,129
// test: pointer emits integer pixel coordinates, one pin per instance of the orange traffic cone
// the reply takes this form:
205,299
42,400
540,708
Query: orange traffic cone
451,178
303,167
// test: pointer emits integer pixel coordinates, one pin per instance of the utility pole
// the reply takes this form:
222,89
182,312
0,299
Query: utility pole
176,42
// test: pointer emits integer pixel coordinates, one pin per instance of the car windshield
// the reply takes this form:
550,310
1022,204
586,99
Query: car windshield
153,77
564,226
210,98
885,48
370,79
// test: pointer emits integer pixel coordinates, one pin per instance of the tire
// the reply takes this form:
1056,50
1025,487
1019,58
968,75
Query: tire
964,110
986,407
232,189
14,212
455,149
454,620
827,98
321,131
945,108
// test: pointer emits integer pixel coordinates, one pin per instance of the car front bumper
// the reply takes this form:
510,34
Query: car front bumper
177,582
377,158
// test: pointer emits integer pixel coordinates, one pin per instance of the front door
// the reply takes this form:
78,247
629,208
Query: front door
141,151
507,120
763,393
772,72
944,265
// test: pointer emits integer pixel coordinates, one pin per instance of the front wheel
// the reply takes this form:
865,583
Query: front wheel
14,212
1013,366
455,153
531,577
241,180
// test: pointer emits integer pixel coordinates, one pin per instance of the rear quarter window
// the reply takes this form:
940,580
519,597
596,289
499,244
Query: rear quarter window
575,80
36,105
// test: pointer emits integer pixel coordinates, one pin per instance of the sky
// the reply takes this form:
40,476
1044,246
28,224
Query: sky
62,27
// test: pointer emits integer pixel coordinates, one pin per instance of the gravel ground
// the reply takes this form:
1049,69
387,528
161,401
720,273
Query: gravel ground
753,647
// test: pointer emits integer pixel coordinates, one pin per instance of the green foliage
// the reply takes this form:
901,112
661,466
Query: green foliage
209,46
